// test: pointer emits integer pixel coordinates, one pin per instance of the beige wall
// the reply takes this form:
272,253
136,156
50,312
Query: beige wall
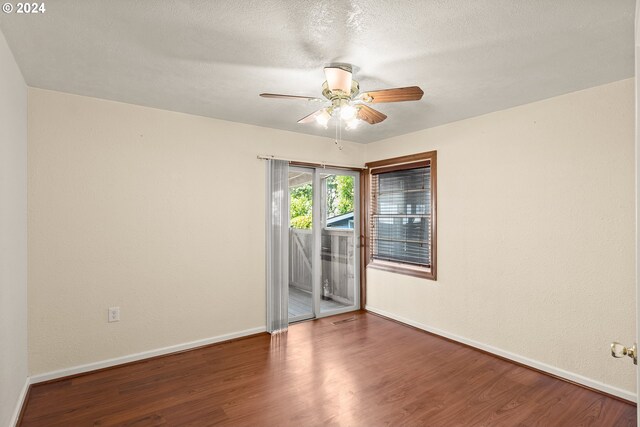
535,232
159,213
13,233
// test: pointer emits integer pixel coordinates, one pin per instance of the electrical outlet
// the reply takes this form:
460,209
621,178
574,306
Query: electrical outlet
114,314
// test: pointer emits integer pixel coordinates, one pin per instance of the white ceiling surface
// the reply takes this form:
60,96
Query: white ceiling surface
213,58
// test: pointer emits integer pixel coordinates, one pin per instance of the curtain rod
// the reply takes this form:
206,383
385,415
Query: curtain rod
307,162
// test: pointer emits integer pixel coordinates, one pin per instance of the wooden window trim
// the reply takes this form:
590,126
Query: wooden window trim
404,166
390,165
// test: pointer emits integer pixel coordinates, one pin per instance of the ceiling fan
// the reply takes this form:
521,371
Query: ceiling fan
347,102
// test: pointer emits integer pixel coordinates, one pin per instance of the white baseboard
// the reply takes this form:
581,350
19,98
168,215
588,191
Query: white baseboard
20,402
624,394
38,378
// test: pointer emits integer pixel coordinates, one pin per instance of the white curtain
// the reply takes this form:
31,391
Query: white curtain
277,246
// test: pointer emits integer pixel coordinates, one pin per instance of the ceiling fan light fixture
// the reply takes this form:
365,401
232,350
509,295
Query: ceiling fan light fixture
346,103
348,112
323,118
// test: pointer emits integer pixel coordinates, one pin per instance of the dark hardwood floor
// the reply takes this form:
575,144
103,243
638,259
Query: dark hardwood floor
368,371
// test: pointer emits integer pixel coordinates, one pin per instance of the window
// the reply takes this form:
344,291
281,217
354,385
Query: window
401,215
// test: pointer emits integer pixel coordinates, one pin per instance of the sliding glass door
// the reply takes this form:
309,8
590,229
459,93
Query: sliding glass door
338,241
323,247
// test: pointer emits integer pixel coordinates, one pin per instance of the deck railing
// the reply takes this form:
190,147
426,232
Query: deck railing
337,258
300,254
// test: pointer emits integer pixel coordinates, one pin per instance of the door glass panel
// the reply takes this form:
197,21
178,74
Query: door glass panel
300,245
338,239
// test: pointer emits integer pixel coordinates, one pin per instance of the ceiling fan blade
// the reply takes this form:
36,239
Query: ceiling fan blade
312,117
411,93
338,79
370,115
279,96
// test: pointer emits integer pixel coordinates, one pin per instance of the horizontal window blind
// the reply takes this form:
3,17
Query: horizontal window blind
400,220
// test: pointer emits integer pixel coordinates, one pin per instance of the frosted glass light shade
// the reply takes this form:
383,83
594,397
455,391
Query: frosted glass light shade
348,112
323,118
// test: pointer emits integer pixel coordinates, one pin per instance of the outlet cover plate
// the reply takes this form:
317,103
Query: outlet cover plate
114,314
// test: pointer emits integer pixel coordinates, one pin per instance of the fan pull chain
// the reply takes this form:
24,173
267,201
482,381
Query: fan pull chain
338,138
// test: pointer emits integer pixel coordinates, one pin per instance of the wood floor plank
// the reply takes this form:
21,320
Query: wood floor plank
354,369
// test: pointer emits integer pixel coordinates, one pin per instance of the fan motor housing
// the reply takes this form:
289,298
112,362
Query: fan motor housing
338,94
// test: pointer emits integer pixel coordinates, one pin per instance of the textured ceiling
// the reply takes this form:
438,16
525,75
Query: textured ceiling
213,58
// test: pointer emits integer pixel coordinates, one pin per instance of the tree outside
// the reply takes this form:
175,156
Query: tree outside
300,206
339,195
340,198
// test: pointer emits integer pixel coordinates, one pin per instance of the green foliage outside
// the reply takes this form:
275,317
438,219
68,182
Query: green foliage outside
339,195
339,200
300,206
